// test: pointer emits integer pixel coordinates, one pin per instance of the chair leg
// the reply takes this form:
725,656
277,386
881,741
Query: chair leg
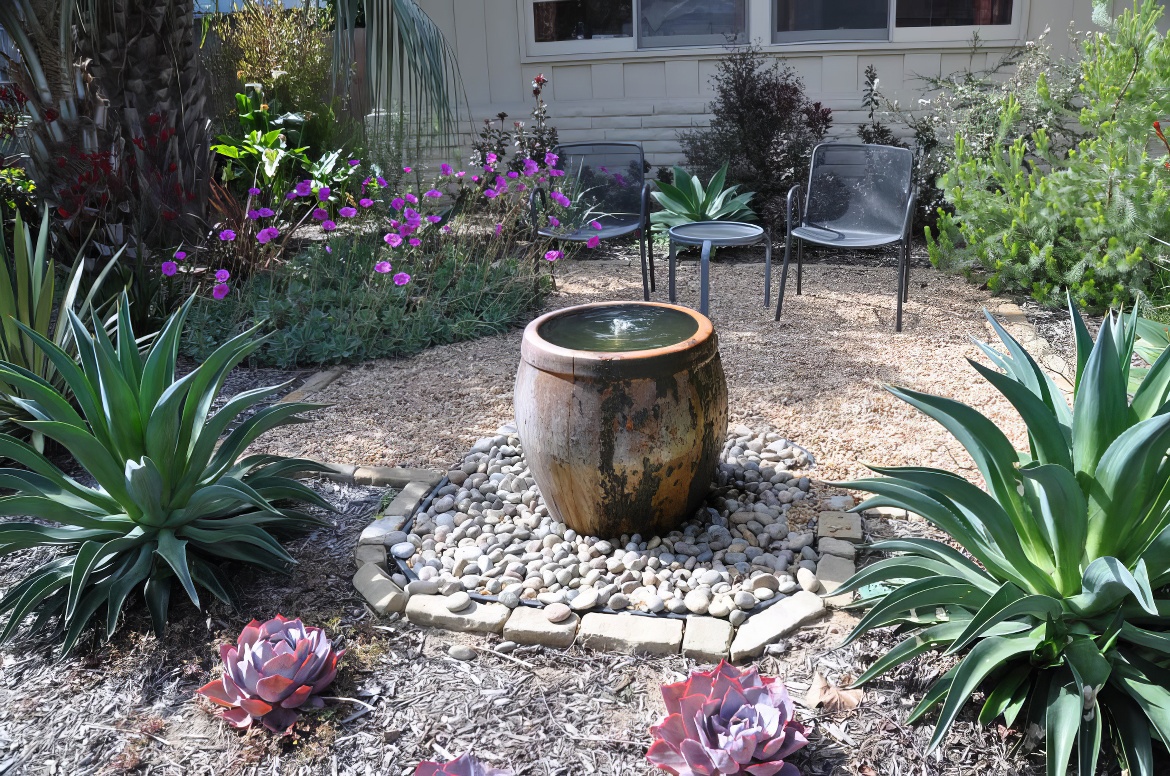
799,263
671,269
901,287
645,273
648,237
704,277
767,269
906,284
783,275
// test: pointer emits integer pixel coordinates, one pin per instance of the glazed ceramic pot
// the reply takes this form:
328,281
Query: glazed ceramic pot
622,411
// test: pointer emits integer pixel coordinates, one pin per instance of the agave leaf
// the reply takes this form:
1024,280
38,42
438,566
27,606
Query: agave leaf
918,644
1084,340
1146,684
934,695
43,585
904,567
144,482
1048,442
1056,500
716,184
1131,732
983,658
1007,604
131,578
211,578
1102,406
89,452
1063,722
1154,390
158,371
1107,582
247,432
174,551
921,593
1009,690
239,534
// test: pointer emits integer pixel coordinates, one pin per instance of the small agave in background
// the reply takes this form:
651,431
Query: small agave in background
463,765
275,668
726,721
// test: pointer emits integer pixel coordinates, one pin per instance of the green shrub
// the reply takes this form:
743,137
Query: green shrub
331,307
172,498
1047,209
689,201
1053,604
763,127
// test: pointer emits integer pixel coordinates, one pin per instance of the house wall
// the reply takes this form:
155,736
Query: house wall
650,95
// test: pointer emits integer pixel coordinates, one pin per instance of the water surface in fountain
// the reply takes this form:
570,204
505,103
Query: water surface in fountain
619,328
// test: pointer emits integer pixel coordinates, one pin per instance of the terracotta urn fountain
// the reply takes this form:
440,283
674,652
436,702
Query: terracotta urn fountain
622,411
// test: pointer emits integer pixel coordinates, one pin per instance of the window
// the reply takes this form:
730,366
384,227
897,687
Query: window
691,22
953,13
558,20
798,20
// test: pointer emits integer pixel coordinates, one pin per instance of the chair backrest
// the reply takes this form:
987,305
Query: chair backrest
859,188
603,179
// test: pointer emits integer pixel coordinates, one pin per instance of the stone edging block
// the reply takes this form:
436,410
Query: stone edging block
631,633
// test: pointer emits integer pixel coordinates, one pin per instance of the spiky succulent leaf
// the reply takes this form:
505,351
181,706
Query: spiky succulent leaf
687,201
168,506
1060,621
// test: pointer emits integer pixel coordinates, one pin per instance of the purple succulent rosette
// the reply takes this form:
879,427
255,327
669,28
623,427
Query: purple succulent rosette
463,765
726,721
275,668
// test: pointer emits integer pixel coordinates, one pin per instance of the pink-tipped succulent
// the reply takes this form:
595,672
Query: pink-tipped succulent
463,765
274,669
726,721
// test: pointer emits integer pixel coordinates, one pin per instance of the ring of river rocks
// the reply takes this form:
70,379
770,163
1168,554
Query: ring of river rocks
488,532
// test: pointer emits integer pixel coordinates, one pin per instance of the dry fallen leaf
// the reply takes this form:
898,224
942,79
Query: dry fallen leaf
830,696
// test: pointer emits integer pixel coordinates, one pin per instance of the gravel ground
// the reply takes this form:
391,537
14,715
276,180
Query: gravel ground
816,376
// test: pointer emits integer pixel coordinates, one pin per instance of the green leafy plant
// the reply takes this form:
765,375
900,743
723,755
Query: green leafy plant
1039,208
687,201
29,302
172,499
1053,605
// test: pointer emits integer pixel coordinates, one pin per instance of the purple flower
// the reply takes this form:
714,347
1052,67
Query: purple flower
531,167
620,180
268,235
266,212
323,193
593,241
413,217
347,212
445,168
551,159
556,173
393,240
382,182
490,194
227,235
401,279
434,219
304,188
328,225
433,194
475,179
595,225
180,255
169,268
255,192
220,291
222,276
406,169
415,242
254,214
329,249
320,214
446,229
554,221
382,267
354,162
460,174
366,202
291,195
397,203
560,199
499,229
491,158
521,187
554,255
411,199
513,174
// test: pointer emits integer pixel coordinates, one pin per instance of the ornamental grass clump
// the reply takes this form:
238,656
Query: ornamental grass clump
1054,606
172,497
727,721
275,668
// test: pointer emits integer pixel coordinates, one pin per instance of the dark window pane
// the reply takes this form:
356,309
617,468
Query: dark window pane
824,19
692,22
582,19
950,13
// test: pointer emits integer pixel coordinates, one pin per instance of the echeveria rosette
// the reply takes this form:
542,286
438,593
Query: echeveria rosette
275,668
463,765
727,721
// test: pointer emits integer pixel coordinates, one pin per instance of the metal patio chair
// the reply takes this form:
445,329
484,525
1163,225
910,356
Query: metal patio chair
607,183
859,196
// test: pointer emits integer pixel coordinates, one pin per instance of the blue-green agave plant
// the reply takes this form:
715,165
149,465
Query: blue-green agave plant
1055,607
173,498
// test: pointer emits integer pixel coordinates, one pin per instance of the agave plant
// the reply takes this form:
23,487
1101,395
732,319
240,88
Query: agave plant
275,668
687,201
727,721
172,496
463,765
1054,609
28,296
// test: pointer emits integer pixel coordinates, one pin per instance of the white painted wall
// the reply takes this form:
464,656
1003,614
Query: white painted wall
649,95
